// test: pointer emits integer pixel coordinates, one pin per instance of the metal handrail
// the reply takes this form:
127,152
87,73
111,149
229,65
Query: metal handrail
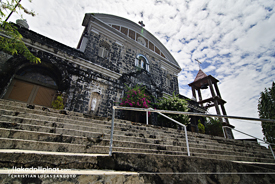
223,127
147,110
185,113
185,131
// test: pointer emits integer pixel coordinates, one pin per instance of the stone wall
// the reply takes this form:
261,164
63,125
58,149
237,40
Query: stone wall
121,59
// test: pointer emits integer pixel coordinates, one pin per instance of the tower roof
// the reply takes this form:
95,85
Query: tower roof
202,79
200,75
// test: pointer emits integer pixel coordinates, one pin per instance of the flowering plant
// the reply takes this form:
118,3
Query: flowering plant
135,97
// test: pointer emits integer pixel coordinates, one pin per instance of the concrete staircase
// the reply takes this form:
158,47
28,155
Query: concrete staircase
34,136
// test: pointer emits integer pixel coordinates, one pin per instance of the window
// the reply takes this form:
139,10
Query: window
142,62
141,41
103,52
103,49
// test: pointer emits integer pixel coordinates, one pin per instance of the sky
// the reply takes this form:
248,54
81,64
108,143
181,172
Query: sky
233,39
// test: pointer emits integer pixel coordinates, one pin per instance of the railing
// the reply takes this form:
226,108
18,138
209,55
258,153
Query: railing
249,136
184,113
147,110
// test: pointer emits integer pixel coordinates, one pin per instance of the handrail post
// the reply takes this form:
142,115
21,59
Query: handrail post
185,130
271,151
223,132
146,117
253,137
112,132
186,138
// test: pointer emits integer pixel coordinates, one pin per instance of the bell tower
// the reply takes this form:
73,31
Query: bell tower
203,81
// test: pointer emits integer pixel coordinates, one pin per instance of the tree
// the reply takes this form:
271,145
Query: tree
173,103
10,39
266,109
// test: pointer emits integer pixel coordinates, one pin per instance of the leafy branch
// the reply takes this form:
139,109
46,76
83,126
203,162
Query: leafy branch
10,39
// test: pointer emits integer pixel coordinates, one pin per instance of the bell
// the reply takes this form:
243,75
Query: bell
204,86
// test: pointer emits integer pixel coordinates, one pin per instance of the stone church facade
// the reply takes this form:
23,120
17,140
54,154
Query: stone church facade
112,52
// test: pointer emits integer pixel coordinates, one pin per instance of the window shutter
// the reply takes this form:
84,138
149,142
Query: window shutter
100,52
105,53
147,67
136,62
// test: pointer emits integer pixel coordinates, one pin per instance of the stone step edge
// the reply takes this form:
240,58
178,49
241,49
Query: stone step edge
107,125
18,151
51,153
137,149
23,105
205,140
193,149
53,128
141,143
199,155
117,121
184,154
15,102
103,126
258,163
190,144
67,172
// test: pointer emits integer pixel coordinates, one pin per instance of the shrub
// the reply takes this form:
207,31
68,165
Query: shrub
173,103
214,127
201,128
58,102
136,97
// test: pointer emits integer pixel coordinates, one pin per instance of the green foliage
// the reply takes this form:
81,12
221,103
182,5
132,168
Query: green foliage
201,128
266,109
10,39
213,126
58,102
135,97
173,103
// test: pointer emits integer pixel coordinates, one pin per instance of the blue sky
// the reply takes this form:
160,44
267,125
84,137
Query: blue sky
234,40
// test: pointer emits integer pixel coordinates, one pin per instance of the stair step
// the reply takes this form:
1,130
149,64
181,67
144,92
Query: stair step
48,130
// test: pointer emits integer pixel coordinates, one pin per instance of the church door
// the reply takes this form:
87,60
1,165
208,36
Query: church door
30,93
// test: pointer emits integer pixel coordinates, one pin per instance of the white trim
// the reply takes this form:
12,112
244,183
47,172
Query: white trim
94,31
118,43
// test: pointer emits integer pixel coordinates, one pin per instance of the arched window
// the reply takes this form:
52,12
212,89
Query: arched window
142,62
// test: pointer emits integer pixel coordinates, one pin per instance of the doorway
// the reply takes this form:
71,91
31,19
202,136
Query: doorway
24,91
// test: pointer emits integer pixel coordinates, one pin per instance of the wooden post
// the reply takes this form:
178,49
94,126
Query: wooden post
211,88
194,93
217,90
199,93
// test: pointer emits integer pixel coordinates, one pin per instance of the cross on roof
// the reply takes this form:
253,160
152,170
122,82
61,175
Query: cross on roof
199,63
141,23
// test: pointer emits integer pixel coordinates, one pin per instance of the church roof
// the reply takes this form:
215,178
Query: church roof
123,23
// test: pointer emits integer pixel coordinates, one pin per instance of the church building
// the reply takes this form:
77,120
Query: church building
112,52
